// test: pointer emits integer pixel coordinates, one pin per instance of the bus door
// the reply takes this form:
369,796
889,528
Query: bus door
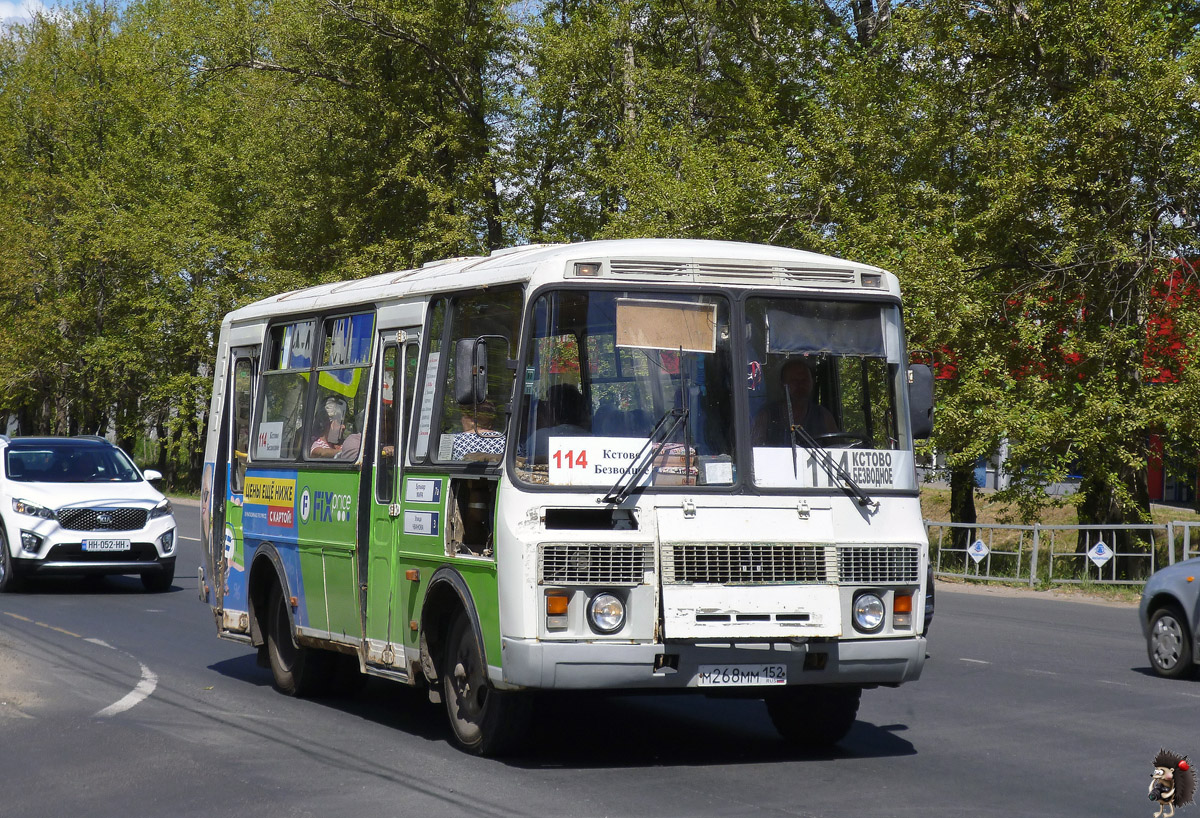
386,587
229,562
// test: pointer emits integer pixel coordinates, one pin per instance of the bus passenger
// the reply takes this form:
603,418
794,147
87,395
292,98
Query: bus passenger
772,424
478,434
329,443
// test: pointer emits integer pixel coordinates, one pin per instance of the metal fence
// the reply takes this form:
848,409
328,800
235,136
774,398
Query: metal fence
1110,554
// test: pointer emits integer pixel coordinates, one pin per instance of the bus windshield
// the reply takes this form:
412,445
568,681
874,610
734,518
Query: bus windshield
826,375
605,367
608,367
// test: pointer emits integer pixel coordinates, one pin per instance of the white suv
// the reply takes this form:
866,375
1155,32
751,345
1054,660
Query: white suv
78,505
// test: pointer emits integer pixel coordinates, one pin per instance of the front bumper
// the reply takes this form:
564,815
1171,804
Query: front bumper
591,665
109,565
61,550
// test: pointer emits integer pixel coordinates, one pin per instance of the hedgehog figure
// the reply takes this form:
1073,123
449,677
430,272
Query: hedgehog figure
1172,784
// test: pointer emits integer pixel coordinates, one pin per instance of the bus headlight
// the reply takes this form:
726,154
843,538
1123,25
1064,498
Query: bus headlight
606,613
868,612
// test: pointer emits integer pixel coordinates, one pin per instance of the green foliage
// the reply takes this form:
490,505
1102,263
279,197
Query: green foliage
1029,170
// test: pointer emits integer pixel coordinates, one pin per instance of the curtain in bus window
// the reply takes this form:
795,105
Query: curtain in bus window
841,327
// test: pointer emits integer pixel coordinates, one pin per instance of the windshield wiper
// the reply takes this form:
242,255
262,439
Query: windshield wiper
676,415
834,469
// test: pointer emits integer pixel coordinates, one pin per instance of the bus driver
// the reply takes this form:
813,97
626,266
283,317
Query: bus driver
772,424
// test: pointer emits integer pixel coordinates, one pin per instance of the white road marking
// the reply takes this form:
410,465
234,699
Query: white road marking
99,642
189,539
1043,672
136,696
1119,684
973,661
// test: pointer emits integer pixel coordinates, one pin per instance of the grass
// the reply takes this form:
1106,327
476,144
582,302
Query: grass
1061,546
935,505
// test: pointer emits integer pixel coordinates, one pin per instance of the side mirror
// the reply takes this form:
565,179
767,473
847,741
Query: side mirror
152,474
920,400
470,372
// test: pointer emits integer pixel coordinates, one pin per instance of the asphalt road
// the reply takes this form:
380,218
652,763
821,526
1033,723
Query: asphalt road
115,702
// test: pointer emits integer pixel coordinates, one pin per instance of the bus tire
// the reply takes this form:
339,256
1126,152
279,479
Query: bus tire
814,718
297,671
485,721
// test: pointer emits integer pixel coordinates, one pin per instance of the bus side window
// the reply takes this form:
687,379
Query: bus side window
388,427
335,428
476,431
243,379
412,359
285,382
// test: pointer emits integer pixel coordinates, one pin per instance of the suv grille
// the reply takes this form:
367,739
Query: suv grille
102,519
594,564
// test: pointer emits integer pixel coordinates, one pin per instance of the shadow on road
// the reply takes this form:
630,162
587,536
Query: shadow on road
1146,670
577,730
96,585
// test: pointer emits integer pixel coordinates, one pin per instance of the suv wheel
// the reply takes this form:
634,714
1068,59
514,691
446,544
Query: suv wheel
158,581
8,571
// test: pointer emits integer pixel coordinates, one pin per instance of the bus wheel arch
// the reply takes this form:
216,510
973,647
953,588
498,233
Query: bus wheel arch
484,721
447,598
266,572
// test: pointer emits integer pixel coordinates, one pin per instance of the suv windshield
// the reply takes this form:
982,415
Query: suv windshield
49,462
605,367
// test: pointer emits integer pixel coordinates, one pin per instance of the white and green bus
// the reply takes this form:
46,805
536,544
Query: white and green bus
641,465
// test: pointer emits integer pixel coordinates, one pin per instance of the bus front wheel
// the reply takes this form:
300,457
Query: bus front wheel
485,721
297,671
814,717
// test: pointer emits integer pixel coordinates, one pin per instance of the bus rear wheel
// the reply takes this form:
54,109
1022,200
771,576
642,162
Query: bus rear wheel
485,721
814,718
297,671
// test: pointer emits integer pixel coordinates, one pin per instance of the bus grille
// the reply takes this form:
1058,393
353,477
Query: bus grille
788,563
102,519
870,564
746,564
594,563
701,270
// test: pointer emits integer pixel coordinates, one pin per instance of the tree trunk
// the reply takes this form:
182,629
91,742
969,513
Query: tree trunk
962,504
1101,505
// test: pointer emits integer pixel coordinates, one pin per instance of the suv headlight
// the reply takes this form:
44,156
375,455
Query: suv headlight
161,510
32,509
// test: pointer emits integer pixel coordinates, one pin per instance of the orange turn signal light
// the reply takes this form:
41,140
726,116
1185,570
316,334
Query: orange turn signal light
412,574
556,604
903,603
